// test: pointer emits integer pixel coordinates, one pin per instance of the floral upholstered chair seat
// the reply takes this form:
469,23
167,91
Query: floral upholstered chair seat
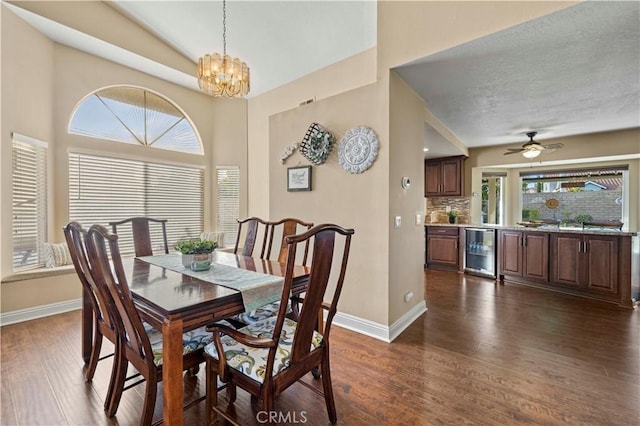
252,361
191,341
261,314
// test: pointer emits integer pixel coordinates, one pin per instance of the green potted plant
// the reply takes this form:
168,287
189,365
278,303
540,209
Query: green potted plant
195,253
452,216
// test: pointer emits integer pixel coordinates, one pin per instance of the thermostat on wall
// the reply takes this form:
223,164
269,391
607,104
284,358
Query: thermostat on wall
406,182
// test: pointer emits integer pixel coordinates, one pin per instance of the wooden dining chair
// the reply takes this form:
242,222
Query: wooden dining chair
268,356
284,228
279,230
255,228
101,304
137,344
141,233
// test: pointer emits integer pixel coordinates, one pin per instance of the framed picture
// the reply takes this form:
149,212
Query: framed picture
299,178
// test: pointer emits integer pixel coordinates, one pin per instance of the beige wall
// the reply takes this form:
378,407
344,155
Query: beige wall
27,94
47,96
350,200
406,244
353,72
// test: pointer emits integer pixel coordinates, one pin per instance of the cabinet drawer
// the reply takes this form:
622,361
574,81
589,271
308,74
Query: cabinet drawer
442,230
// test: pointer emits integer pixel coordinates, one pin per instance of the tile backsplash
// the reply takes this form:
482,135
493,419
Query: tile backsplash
436,209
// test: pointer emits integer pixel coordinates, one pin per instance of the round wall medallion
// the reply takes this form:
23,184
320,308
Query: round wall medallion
552,203
358,149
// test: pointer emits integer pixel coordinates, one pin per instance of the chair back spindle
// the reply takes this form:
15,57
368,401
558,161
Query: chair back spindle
252,226
141,233
288,226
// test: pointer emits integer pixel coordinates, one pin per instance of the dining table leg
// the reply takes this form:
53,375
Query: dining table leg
172,373
87,326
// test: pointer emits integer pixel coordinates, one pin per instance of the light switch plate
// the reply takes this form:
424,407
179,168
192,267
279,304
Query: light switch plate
418,219
398,222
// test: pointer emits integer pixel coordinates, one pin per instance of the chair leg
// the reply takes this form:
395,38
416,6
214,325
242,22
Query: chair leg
231,392
211,387
114,392
89,369
150,393
268,403
116,383
328,389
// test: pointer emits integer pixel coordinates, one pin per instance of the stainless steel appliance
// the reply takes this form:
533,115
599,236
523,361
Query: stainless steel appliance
480,251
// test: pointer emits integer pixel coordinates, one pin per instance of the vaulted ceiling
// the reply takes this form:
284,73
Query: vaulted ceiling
572,72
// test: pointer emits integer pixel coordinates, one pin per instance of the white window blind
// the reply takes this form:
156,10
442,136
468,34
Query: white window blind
228,202
137,116
29,200
104,189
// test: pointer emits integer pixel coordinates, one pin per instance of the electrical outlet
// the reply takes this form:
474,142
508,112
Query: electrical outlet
398,222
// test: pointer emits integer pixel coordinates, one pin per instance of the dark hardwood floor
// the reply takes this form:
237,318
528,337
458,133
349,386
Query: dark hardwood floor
483,354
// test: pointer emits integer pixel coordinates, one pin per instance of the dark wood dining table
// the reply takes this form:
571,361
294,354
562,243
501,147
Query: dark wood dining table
175,302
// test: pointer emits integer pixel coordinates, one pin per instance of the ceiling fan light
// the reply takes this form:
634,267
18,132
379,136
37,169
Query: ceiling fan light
530,153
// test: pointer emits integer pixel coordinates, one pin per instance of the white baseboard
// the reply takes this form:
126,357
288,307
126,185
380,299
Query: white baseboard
350,322
376,330
39,312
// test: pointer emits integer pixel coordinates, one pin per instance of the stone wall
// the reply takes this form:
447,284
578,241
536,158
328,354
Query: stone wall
601,205
436,209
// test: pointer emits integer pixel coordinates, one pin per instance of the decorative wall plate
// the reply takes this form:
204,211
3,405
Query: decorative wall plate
552,203
358,149
316,144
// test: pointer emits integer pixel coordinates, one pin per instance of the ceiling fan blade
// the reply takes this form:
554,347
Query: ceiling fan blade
514,151
554,146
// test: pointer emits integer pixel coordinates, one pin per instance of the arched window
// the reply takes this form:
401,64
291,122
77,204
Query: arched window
137,116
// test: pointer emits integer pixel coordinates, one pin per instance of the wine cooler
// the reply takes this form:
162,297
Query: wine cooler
480,252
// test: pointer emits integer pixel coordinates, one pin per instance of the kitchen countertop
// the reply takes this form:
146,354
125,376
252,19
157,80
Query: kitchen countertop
551,229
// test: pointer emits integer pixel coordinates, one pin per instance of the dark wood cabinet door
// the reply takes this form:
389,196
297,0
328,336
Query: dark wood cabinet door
431,178
535,259
510,247
451,176
601,263
567,262
442,250
443,177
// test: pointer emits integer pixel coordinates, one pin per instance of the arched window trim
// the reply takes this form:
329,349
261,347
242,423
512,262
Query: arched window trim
160,95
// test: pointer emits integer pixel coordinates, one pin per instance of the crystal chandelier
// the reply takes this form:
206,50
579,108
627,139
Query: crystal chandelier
221,76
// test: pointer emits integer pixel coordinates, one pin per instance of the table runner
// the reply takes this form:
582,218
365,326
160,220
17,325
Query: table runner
257,289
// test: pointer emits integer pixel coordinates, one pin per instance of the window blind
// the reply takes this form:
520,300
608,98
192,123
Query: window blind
104,189
29,201
228,202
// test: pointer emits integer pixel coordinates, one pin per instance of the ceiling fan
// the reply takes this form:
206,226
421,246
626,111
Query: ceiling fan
532,148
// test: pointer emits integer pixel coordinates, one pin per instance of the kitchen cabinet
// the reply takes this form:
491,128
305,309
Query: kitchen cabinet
524,255
443,247
586,262
598,265
443,177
